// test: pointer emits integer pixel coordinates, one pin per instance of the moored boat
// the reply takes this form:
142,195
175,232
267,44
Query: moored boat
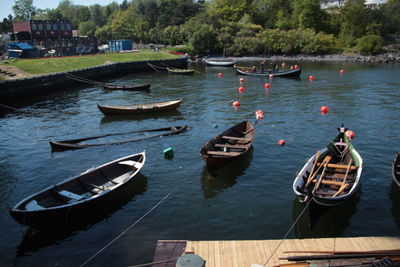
221,62
280,73
127,87
139,108
396,169
145,134
180,71
229,145
332,175
66,201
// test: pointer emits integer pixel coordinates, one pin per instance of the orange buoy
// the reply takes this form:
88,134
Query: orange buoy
311,78
271,76
281,142
241,80
283,64
236,103
341,72
220,74
267,86
350,134
324,109
296,66
259,115
241,89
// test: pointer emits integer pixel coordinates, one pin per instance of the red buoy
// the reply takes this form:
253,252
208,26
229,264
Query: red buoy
271,76
241,89
350,134
241,80
236,103
281,142
341,72
311,78
296,66
324,109
259,115
267,86
283,64
220,74
291,67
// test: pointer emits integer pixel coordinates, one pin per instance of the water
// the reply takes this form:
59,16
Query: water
252,199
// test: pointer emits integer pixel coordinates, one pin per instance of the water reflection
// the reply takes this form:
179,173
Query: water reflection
320,221
34,240
144,116
212,183
395,198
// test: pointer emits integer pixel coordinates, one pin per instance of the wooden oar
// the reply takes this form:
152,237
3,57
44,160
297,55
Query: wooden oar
327,159
344,185
312,170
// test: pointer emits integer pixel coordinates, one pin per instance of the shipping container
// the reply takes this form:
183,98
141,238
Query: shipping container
119,45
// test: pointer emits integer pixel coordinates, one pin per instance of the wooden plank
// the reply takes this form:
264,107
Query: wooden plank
236,138
330,182
222,153
237,146
339,166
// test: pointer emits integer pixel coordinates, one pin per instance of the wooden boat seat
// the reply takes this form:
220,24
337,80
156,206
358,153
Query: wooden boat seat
237,146
222,153
329,182
339,166
128,162
325,192
69,195
236,138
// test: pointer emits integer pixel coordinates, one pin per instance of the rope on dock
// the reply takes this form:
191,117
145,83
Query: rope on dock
156,67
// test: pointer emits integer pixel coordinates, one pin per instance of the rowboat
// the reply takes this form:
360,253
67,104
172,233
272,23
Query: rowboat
332,175
220,62
396,169
180,71
60,204
140,108
279,73
145,134
228,146
127,87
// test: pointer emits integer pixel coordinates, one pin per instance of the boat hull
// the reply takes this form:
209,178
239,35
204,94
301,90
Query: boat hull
221,63
284,74
143,87
138,109
396,169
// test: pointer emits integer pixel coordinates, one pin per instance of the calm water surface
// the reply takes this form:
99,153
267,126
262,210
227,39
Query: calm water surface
252,199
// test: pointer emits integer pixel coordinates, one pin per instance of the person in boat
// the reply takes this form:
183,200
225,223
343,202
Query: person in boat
254,69
274,66
262,65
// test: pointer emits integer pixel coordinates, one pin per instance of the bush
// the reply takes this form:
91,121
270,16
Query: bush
369,44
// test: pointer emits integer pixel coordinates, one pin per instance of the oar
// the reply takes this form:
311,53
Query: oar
344,185
327,159
312,170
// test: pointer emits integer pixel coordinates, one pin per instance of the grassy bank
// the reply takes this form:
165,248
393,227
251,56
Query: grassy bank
48,65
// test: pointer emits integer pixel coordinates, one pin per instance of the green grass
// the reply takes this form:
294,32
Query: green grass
1,78
48,65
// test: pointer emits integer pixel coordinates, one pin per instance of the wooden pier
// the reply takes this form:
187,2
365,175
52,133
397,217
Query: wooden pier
245,253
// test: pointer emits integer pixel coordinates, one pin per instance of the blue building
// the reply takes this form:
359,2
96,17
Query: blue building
119,45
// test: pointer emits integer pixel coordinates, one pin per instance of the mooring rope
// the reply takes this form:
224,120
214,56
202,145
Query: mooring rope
287,233
81,79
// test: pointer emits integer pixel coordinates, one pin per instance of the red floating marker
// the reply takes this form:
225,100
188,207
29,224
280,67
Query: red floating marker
267,86
271,76
281,142
291,67
283,64
341,72
350,134
259,115
241,89
220,74
236,103
311,78
324,109
296,66
241,80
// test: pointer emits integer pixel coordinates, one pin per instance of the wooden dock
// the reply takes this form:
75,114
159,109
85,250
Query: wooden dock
244,253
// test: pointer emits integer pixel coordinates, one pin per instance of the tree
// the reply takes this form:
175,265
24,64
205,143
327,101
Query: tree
354,22
87,28
24,10
103,34
6,25
308,15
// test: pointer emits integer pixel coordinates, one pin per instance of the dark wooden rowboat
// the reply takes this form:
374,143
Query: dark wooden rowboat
59,204
127,87
180,71
332,175
79,143
396,169
140,108
286,74
229,145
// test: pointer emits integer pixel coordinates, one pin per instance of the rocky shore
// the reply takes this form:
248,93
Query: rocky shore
387,58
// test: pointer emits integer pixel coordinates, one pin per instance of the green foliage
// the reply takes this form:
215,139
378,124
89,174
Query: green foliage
24,10
103,34
87,28
204,40
369,44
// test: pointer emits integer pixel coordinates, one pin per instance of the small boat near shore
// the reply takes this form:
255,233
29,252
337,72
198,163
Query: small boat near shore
222,62
139,108
180,71
396,169
332,175
280,73
126,87
229,145
60,204
140,135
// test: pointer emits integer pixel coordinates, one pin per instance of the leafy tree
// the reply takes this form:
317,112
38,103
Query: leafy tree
6,25
87,28
369,44
24,10
354,22
104,34
308,14
228,10
97,15
203,40
121,26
